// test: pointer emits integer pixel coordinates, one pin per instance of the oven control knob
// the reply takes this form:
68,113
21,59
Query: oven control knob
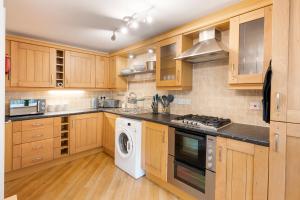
209,165
210,151
209,158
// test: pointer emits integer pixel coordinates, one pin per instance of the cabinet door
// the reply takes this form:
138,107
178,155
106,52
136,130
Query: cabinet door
155,144
84,132
250,46
166,66
284,161
109,133
112,73
32,65
102,72
241,170
80,70
8,147
293,89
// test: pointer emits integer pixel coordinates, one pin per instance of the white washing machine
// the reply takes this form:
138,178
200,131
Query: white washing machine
128,146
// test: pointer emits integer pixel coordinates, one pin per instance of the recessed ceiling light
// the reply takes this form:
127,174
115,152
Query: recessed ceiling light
130,56
151,51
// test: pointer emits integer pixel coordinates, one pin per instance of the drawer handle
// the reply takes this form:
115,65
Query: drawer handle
276,144
37,124
37,147
37,159
38,135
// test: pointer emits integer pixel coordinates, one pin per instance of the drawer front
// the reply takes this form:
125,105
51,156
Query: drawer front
36,124
37,148
56,142
37,134
37,159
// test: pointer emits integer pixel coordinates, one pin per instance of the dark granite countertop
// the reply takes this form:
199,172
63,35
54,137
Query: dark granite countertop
242,132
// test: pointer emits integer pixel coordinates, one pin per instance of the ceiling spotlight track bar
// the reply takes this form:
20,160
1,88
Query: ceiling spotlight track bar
133,22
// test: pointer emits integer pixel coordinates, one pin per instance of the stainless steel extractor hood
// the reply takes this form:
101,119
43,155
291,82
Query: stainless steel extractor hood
209,48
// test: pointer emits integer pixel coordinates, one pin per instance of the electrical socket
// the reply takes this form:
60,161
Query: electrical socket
254,105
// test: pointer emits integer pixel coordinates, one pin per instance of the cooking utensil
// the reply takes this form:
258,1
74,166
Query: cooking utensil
164,100
151,65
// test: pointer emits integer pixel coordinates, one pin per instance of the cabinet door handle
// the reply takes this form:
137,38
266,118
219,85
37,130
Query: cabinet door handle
38,135
277,101
51,78
37,124
36,159
276,144
220,154
232,70
163,139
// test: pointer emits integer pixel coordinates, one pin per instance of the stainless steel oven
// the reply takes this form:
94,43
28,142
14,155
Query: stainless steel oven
191,163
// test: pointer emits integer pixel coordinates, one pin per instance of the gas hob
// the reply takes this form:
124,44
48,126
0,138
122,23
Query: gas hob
202,122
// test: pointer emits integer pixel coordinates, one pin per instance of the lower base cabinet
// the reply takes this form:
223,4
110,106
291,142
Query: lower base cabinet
155,149
284,176
241,171
109,121
85,132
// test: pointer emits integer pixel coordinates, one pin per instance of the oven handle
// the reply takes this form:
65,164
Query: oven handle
179,132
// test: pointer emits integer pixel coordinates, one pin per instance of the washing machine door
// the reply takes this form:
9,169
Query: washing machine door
124,144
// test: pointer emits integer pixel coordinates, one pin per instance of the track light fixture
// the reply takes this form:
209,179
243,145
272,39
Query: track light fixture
133,22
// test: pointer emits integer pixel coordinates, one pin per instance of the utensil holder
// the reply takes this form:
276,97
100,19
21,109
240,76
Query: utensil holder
155,108
166,110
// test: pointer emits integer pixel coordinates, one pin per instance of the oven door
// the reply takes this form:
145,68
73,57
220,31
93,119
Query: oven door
190,149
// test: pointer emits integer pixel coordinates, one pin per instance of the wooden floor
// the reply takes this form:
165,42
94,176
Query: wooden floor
92,177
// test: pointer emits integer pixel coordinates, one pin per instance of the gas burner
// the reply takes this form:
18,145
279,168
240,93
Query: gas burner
202,121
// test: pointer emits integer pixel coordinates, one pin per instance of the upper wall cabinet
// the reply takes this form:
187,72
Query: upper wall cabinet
250,48
32,65
173,74
79,70
116,63
102,72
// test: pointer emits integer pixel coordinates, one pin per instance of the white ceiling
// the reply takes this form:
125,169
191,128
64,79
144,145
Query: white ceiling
89,23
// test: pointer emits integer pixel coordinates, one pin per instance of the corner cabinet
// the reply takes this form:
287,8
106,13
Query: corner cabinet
155,149
85,132
173,74
241,170
79,70
32,65
250,46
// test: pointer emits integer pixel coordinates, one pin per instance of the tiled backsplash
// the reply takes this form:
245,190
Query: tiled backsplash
76,99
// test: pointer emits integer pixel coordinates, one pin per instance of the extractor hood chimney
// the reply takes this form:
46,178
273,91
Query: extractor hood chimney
209,48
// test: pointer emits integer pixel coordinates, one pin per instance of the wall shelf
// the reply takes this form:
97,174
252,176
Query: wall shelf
138,72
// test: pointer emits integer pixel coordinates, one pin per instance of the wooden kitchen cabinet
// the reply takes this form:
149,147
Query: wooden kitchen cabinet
285,104
284,161
32,65
173,74
116,63
250,46
109,126
85,132
155,149
8,165
79,70
102,72
241,170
